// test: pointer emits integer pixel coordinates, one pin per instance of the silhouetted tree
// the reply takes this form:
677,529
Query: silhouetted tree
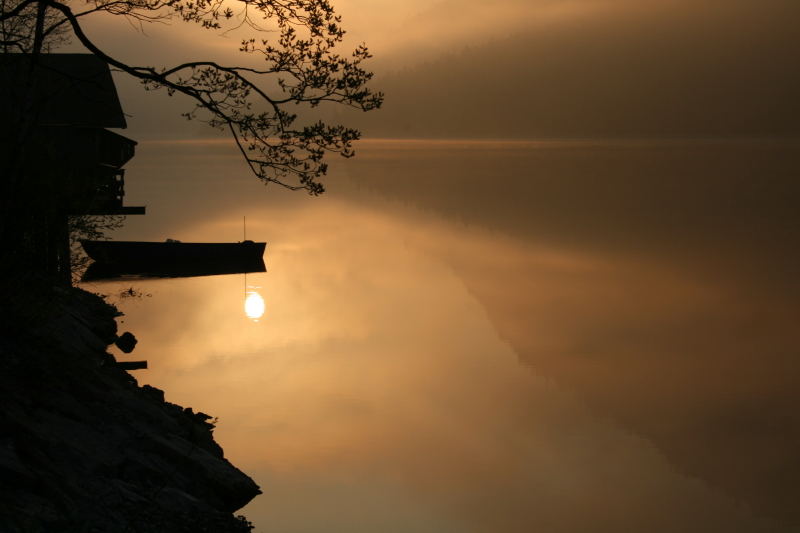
92,227
300,66
17,32
297,67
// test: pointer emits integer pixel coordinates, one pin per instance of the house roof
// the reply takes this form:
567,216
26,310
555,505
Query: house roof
66,89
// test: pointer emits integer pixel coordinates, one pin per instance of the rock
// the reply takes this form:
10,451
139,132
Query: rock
156,394
126,342
202,417
84,448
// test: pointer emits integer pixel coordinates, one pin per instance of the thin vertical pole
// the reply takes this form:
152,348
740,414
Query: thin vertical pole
244,233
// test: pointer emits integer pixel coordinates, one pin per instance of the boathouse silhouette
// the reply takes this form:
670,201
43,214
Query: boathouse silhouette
58,154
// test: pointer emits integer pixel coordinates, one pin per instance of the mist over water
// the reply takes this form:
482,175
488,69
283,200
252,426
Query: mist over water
477,336
524,69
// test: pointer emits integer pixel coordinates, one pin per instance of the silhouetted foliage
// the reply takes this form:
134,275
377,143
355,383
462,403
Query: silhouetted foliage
92,228
18,32
257,106
300,67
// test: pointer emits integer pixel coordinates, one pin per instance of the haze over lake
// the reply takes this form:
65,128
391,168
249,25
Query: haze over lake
490,336
554,291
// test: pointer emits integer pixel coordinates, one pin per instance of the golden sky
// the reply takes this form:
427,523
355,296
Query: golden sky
529,69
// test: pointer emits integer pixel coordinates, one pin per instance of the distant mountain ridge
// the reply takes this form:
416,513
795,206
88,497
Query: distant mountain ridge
711,71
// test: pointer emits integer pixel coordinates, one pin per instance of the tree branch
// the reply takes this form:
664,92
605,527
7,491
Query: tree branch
16,11
272,149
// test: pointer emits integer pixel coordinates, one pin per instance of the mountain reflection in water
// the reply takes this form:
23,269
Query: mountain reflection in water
648,289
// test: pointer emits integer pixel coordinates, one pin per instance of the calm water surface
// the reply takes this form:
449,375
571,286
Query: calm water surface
491,337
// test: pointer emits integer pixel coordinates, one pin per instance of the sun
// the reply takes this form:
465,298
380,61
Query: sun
254,306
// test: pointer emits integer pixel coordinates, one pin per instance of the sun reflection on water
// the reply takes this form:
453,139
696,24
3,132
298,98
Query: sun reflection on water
254,305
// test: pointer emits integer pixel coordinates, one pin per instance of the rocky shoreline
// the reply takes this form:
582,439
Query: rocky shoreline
84,448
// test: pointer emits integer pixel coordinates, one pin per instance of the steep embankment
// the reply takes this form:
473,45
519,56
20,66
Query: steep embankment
84,448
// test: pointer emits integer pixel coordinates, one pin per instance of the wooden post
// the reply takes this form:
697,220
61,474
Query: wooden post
132,365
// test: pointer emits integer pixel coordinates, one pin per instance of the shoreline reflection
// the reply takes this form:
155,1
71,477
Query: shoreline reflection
648,293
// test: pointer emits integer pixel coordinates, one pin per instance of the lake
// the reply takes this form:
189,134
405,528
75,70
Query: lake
478,336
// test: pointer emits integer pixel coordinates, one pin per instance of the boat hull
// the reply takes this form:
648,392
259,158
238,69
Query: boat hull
172,259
